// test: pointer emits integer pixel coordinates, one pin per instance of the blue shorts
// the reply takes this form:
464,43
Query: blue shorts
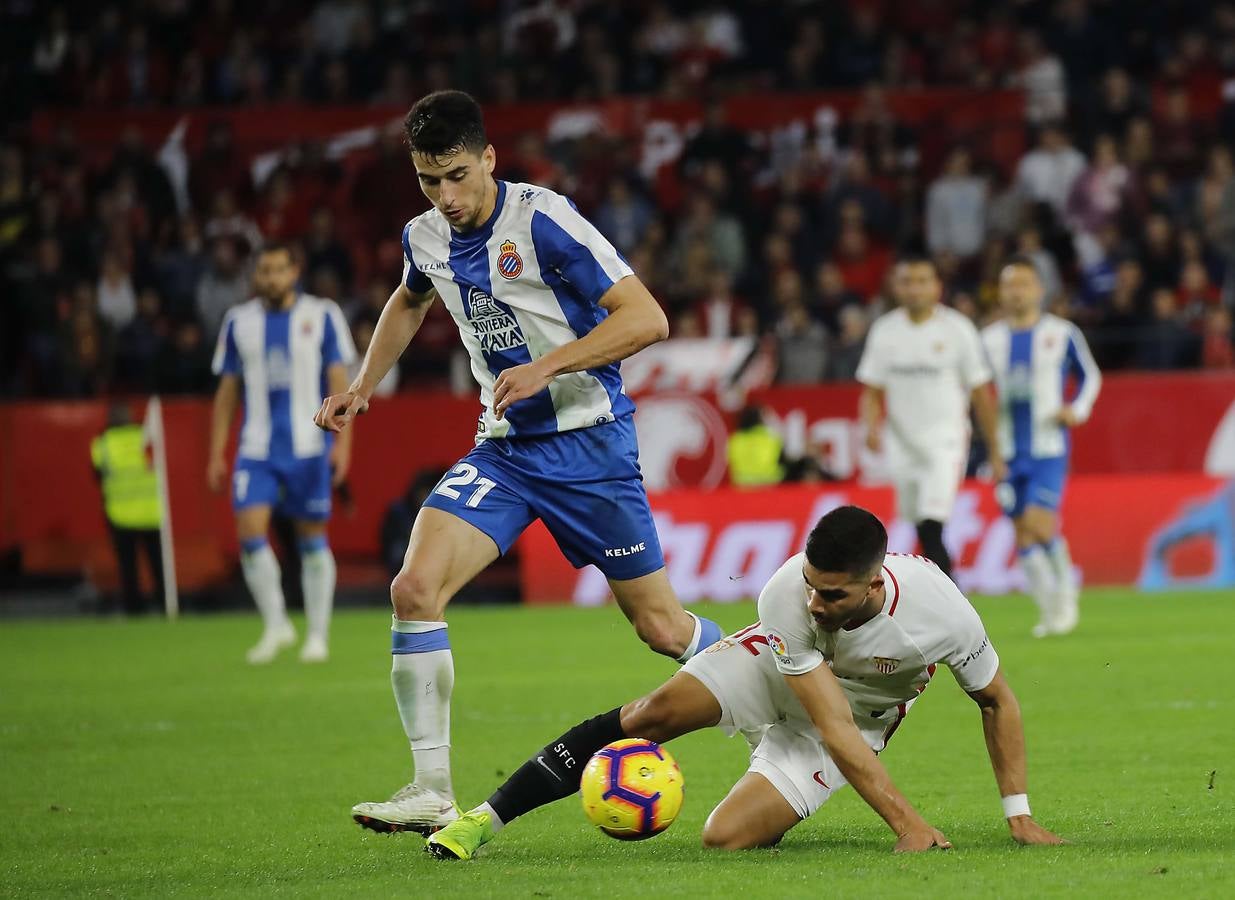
1033,482
299,488
585,485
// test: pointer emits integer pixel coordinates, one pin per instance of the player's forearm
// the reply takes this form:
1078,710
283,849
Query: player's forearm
226,398
862,769
398,324
1005,743
987,413
626,331
337,383
870,408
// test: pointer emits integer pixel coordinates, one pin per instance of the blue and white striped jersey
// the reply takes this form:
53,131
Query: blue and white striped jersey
1031,370
282,357
519,286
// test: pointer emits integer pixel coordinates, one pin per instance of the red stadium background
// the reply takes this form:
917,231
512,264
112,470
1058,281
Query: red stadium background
1137,463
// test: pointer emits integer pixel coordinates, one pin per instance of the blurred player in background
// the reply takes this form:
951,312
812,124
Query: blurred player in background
924,362
288,349
1033,353
848,637
546,309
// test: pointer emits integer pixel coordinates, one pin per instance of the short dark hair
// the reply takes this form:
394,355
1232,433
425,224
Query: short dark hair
847,539
443,123
1024,261
915,257
279,247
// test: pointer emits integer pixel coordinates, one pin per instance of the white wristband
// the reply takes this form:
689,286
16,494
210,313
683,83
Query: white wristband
1016,805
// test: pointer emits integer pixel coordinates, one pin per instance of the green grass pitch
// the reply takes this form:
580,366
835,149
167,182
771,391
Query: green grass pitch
146,759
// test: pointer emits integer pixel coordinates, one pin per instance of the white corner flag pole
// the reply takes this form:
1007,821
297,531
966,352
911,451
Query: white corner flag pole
153,427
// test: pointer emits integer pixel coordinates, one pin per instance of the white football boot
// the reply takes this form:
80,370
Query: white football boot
412,808
315,650
272,641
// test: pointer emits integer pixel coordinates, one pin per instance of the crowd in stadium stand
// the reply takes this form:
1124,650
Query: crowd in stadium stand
1125,197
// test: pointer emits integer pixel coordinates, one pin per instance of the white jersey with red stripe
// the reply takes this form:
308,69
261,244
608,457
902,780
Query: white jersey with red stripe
887,661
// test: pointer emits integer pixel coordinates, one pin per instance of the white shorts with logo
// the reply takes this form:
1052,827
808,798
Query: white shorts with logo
786,749
926,488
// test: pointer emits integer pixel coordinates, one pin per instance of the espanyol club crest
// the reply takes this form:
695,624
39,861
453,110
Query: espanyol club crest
885,665
509,262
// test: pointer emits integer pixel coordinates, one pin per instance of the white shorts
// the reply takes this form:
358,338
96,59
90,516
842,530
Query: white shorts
926,489
786,749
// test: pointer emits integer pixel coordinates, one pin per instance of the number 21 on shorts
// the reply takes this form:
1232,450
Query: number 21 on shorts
460,476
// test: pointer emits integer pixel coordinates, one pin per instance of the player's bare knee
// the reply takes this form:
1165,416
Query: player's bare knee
649,717
415,596
721,833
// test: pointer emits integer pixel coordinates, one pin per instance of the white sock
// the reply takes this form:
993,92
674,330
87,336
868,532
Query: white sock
317,577
423,676
1040,577
265,581
494,818
1061,562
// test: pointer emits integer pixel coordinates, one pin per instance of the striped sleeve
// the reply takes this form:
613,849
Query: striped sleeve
573,247
416,281
1088,376
226,356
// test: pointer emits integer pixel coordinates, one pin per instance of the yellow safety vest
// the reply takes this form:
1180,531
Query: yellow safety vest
754,457
130,487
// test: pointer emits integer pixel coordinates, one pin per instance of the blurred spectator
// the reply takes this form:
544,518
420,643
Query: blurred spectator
1117,105
1047,173
802,347
184,366
1097,199
139,345
719,232
1041,76
846,352
1158,252
956,208
755,452
218,168
228,221
386,189
717,141
1029,244
116,297
1196,296
832,295
1180,137
323,250
1218,348
862,264
623,216
1166,343
854,190
720,308
224,284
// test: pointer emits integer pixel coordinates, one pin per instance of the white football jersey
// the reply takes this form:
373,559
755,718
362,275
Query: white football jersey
1031,373
887,661
519,286
927,371
282,358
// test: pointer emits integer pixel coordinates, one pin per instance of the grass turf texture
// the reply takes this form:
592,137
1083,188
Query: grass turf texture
145,758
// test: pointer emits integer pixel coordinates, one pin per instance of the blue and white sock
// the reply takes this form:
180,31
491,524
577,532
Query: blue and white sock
264,580
1040,579
317,578
706,634
423,676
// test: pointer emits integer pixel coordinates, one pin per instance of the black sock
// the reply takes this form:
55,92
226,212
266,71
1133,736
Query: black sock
930,534
555,771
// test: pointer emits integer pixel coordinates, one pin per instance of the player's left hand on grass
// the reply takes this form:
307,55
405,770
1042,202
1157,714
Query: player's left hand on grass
518,383
1025,831
917,840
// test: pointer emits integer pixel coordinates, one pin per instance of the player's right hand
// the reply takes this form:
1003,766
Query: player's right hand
216,474
921,837
338,410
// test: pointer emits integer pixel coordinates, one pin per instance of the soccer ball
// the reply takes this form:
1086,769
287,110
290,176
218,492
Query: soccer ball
632,789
